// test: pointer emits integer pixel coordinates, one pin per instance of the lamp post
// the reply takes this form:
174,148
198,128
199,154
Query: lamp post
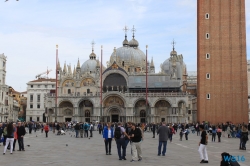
56,83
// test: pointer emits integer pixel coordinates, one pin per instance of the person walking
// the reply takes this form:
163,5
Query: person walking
91,128
136,138
81,130
100,128
10,138
186,132
46,129
213,133
20,135
163,133
77,128
119,136
153,129
219,133
108,135
202,145
1,130
171,132
86,128
244,137
15,136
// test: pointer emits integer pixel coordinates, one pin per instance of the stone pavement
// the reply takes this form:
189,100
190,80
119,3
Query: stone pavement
83,151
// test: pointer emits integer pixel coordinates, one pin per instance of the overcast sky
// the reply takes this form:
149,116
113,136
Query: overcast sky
30,30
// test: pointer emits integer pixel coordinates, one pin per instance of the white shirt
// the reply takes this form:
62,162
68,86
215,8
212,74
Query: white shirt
109,133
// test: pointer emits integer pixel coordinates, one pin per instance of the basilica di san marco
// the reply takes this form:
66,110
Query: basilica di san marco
123,89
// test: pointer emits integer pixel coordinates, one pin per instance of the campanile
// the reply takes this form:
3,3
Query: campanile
221,61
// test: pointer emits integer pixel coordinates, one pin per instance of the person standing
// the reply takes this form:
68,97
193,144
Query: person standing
77,128
15,136
9,138
202,145
81,129
171,132
119,136
46,129
186,132
153,129
219,133
86,128
213,133
136,138
108,135
91,128
20,135
244,137
163,132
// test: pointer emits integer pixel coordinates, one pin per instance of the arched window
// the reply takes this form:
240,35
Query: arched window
87,113
142,113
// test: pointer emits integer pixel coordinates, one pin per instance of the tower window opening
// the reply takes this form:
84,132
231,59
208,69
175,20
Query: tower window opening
208,76
208,96
207,36
207,16
207,56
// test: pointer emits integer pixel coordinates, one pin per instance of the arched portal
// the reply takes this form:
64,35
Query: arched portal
162,110
66,110
85,110
114,109
141,111
115,82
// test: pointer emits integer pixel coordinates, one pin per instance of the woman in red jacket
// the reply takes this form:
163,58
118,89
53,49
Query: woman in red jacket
46,129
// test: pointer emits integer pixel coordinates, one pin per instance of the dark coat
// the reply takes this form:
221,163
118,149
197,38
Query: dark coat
163,132
20,131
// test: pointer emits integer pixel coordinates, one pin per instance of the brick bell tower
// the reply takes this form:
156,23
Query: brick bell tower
221,61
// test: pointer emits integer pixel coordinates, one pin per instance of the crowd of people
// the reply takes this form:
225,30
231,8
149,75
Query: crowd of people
125,133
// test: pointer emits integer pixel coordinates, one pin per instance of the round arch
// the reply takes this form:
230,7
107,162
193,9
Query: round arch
85,99
181,101
68,83
112,100
141,99
114,95
87,81
65,103
162,103
162,99
115,82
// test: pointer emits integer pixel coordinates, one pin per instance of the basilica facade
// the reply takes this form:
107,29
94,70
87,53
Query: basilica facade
117,92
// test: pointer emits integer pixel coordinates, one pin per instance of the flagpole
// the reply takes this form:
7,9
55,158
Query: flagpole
56,83
146,79
101,90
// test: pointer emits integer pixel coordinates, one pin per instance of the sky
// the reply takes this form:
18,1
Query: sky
31,29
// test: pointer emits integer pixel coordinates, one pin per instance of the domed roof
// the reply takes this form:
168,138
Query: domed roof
125,42
89,65
133,43
130,56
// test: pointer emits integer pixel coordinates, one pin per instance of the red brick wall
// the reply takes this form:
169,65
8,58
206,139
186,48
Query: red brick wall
227,65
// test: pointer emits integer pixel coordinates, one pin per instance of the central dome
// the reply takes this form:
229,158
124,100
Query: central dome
129,56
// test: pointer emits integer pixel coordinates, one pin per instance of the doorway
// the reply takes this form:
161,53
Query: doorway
162,119
67,119
115,118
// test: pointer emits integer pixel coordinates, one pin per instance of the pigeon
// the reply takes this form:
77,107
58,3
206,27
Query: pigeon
28,145
71,135
36,135
89,137
66,144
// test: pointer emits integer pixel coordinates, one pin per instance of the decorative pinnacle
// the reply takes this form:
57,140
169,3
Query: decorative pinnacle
93,44
133,30
146,46
173,43
125,29
101,46
56,46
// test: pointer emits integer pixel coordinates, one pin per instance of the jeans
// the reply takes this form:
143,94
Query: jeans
186,136
164,143
14,144
86,133
120,143
91,133
9,140
77,131
213,137
242,143
170,136
153,133
198,132
20,143
108,145
46,133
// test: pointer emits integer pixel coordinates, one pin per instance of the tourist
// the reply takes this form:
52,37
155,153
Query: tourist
248,128
181,134
213,133
136,138
108,135
15,136
77,128
171,132
228,131
91,128
219,133
1,130
202,145
127,130
197,129
186,132
9,138
119,136
46,129
153,129
4,134
163,132
30,127
81,129
244,137
100,128
20,135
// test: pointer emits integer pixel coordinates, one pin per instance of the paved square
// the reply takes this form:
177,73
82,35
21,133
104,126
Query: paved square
82,151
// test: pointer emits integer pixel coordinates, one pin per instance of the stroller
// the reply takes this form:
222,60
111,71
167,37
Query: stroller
61,132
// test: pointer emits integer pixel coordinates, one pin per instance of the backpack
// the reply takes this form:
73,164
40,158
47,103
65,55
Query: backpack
170,131
85,127
117,133
214,131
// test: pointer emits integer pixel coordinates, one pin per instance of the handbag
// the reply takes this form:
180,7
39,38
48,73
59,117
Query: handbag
238,135
1,140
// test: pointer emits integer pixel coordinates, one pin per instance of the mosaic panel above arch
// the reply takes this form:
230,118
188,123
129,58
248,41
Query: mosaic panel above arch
162,103
113,100
68,83
87,82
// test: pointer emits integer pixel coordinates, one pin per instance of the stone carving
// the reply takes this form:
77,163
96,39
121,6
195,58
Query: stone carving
113,100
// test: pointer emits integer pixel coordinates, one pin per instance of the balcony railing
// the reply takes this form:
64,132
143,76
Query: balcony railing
163,94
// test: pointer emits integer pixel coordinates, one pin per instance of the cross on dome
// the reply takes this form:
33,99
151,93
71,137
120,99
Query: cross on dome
173,43
133,30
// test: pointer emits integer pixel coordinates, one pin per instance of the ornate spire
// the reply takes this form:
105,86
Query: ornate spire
133,30
92,55
173,43
58,65
65,68
74,72
69,69
152,63
98,63
78,64
125,42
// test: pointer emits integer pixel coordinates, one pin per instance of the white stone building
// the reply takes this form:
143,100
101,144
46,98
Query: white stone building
123,91
36,91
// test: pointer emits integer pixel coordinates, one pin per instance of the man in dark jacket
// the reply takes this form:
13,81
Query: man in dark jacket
1,130
20,135
136,137
153,129
163,132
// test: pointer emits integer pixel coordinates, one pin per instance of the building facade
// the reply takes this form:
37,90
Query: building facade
36,92
122,96
221,59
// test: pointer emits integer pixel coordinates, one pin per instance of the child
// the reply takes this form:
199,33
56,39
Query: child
181,134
